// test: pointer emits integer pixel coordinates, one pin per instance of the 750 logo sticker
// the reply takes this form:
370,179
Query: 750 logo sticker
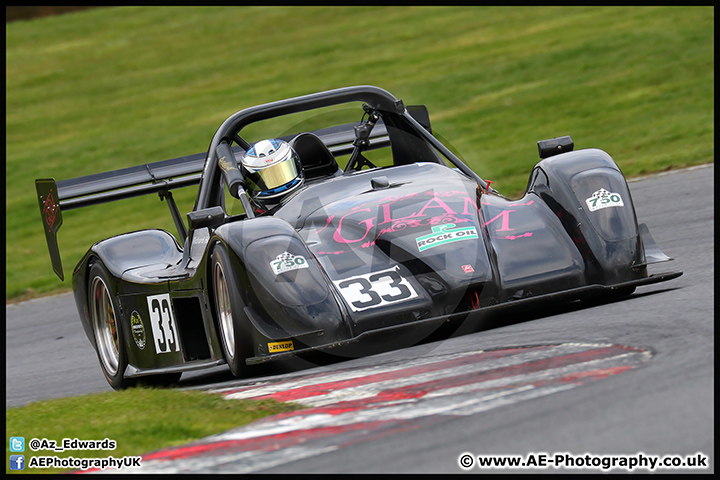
375,289
603,199
286,262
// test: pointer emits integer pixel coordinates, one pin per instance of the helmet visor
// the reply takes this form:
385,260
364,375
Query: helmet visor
273,176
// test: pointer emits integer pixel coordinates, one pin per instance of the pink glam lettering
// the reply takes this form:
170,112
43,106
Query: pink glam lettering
433,212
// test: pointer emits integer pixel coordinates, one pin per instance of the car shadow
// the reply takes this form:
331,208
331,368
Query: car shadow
221,374
527,314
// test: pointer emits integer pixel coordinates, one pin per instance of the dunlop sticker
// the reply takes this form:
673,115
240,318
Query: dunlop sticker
444,234
276,347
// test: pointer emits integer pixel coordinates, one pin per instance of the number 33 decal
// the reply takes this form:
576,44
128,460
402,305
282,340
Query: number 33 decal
163,324
375,289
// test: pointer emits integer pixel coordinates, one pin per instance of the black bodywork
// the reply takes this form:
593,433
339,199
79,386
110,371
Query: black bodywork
377,253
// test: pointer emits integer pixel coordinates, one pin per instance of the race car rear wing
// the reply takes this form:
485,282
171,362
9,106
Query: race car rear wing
54,197
158,177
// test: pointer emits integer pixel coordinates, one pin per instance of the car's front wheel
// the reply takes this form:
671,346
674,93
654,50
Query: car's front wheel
233,328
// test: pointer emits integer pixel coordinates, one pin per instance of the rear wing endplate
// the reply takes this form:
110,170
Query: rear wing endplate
52,219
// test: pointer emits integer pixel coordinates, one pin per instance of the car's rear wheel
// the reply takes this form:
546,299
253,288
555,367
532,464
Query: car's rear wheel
233,328
109,336
109,341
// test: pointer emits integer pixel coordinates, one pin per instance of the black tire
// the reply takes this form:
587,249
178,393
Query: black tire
233,327
109,338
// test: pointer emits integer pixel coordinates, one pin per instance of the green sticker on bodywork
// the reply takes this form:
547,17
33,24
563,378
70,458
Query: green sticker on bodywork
138,330
444,234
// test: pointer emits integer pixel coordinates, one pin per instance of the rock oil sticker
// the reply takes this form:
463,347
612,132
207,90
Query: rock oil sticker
138,330
603,199
286,262
444,234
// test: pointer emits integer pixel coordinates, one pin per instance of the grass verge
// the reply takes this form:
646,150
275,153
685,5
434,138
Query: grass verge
139,420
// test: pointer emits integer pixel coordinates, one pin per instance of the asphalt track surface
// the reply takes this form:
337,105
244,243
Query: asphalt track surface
644,383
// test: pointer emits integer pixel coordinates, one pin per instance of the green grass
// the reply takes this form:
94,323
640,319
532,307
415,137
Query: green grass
139,420
102,89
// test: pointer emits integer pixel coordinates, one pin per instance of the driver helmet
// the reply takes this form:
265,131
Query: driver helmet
272,170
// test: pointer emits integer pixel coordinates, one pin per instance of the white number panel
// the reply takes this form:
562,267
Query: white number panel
375,289
163,323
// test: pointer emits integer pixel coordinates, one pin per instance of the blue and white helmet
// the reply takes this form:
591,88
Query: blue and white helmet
272,170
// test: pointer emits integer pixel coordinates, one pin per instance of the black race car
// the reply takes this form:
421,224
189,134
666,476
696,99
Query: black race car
401,240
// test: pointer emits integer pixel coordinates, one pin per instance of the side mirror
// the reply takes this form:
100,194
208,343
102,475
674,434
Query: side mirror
209,217
555,146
